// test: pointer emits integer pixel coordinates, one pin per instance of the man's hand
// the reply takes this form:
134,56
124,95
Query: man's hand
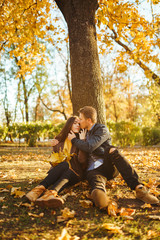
71,135
82,134
54,142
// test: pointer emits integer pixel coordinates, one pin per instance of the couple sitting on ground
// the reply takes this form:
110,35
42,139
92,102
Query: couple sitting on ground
95,160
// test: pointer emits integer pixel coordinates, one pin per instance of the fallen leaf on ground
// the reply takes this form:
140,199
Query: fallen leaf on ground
3,207
29,205
86,203
19,194
111,227
112,209
66,236
4,190
66,213
2,199
14,189
61,219
152,234
126,212
146,205
36,215
154,217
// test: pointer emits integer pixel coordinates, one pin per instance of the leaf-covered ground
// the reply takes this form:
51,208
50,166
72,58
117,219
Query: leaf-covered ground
22,168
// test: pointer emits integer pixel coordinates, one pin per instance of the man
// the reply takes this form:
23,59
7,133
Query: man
104,160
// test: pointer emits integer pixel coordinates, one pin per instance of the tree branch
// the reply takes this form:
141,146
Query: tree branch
146,69
52,110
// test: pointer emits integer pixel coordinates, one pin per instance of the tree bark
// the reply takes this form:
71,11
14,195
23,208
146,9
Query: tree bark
86,79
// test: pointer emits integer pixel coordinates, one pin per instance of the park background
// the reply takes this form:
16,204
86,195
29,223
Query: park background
58,56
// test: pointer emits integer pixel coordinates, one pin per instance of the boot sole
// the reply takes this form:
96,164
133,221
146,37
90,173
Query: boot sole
51,203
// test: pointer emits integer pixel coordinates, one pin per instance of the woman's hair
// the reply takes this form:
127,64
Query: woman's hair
61,137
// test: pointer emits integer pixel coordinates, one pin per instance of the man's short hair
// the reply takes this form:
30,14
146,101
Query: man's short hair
89,112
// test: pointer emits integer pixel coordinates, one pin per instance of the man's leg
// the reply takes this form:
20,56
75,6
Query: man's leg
97,183
129,175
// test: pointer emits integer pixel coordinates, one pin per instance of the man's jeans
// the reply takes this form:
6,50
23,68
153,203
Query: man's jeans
108,170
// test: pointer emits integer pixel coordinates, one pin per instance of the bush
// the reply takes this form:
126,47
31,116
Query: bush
124,133
31,131
151,136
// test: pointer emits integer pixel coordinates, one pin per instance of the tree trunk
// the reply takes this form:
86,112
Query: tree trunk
25,99
86,79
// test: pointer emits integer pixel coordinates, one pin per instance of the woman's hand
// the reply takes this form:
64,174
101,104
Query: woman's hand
82,134
54,142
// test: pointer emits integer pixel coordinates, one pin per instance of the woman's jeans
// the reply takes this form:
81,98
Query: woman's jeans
60,177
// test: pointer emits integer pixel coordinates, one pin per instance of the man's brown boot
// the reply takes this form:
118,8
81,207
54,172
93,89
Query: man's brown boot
50,199
143,194
100,198
35,193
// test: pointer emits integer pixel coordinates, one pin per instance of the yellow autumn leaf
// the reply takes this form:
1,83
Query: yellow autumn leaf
36,215
14,189
111,227
66,236
19,194
66,213
2,199
58,157
146,205
4,190
86,203
126,211
112,209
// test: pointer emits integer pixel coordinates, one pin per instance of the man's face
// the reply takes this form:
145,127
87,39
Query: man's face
83,121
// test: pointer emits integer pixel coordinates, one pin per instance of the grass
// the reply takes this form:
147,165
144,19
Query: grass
24,167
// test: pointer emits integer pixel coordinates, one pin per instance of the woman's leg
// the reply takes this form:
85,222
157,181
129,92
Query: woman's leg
55,174
68,178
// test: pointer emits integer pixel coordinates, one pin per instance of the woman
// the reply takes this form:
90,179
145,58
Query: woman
64,174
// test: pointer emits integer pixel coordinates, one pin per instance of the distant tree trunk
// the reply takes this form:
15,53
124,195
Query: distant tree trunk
25,99
86,79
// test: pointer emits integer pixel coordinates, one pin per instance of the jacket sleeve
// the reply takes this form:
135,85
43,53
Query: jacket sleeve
98,137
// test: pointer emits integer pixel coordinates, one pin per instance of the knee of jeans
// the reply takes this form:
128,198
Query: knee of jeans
65,165
112,150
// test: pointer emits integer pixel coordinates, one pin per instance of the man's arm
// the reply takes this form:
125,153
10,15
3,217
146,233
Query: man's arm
99,136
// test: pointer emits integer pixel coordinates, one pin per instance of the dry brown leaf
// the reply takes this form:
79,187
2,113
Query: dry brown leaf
86,203
9,186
